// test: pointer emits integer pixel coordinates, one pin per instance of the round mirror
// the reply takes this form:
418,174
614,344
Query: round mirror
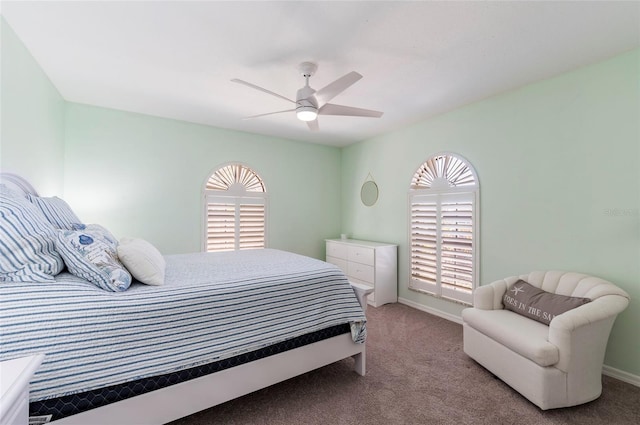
369,193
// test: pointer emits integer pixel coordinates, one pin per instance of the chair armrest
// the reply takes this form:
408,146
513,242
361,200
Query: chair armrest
594,311
483,296
581,334
489,297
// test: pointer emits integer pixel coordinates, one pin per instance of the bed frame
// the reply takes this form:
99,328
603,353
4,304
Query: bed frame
183,399
176,401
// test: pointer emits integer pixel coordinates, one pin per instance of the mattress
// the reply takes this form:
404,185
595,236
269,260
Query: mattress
213,306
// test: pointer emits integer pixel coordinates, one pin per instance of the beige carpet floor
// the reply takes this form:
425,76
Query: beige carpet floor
417,373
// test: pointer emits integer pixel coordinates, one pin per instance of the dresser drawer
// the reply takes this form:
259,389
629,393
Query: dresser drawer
342,264
361,272
336,250
360,255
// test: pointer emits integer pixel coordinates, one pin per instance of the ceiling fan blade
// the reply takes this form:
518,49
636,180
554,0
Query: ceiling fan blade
349,111
268,113
313,125
327,93
253,86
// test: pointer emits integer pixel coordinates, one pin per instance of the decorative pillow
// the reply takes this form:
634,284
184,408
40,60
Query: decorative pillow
57,211
101,233
27,243
143,260
88,255
537,304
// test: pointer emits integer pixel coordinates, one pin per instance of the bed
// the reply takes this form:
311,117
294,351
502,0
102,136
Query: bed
221,326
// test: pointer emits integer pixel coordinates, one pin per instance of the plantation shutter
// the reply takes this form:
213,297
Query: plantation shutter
235,209
443,228
456,248
221,226
234,224
251,224
424,243
442,247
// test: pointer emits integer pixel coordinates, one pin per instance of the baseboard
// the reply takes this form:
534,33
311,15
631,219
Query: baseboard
606,370
621,375
431,310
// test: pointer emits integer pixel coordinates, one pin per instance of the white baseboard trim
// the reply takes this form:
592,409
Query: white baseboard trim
606,370
621,375
431,310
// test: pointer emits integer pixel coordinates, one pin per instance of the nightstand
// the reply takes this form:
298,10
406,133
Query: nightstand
14,388
362,291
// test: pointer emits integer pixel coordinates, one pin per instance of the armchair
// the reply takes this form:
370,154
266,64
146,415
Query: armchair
553,366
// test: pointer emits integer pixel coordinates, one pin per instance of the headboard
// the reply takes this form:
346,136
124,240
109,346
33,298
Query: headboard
17,183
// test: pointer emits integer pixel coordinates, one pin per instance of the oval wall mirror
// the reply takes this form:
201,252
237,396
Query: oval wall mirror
369,193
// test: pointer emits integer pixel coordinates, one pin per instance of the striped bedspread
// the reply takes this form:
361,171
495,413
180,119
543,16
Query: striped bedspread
212,306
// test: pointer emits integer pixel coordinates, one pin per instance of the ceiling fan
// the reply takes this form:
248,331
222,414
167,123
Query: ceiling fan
311,103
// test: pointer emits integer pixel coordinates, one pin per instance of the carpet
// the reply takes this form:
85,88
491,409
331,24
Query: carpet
417,373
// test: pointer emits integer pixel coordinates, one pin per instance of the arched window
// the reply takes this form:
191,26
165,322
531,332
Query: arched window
443,228
235,209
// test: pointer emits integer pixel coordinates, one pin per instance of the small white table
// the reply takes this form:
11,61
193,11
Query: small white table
14,388
362,291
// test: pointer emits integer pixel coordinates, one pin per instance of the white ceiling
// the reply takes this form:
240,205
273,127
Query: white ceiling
176,59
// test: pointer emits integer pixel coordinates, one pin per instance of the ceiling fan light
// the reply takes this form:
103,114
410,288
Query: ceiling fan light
306,113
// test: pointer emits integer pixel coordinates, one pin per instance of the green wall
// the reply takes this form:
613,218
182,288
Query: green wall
558,163
31,117
143,176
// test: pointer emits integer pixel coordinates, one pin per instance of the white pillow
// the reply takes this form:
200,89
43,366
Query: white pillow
143,260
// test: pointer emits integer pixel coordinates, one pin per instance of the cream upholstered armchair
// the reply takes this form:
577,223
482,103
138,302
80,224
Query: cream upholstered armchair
555,365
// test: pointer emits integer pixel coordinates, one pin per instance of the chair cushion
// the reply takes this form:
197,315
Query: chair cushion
518,333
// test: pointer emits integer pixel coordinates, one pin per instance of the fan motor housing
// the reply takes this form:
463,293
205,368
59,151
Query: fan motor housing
305,94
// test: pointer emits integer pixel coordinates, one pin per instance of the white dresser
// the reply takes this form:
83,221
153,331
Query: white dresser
373,264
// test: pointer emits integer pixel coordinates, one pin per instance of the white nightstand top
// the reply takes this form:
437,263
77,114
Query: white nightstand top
14,377
359,242
366,289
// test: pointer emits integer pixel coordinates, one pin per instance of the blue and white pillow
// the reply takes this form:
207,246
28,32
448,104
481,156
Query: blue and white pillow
102,234
90,255
27,242
57,211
